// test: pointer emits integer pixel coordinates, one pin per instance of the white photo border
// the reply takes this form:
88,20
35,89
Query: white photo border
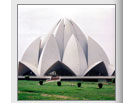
118,47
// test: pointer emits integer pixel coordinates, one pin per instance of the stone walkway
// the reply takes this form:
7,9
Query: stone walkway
52,79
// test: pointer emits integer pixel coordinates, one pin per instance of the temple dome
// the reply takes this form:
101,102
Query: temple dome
66,51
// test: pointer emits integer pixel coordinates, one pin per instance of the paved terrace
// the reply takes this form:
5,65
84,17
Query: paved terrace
68,77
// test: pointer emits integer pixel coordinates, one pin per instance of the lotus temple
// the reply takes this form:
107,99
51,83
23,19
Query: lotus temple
65,51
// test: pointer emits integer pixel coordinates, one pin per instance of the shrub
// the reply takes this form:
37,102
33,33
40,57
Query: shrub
59,83
79,84
113,80
41,82
100,85
27,77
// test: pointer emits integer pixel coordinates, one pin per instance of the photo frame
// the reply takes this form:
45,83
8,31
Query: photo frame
14,38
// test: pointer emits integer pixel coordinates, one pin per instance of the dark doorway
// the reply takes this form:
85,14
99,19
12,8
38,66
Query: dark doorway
98,70
113,73
24,70
60,69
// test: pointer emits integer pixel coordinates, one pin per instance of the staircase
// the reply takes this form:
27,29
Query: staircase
53,79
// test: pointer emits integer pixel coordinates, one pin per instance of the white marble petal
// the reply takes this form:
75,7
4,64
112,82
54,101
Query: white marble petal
96,53
74,57
68,31
81,38
49,34
30,66
31,54
91,66
110,69
59,35
49,56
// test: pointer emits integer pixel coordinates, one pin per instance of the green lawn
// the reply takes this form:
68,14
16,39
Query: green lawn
31,90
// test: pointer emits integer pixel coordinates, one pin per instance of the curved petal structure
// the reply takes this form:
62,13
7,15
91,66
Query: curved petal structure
96,53
68,31
49,34
31,54
74,56
59,35
27,69
40,50
110,69
66,52
98,69
49,56
81,38
61,69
